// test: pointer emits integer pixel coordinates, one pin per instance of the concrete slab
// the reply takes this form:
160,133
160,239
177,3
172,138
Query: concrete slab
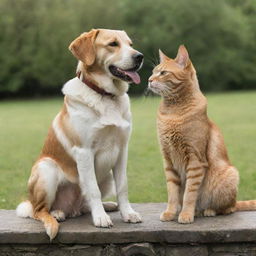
237,227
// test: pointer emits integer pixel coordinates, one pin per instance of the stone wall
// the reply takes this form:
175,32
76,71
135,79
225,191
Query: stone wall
216,236
135,249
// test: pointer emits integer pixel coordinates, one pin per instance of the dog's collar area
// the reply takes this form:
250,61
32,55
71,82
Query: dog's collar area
94,86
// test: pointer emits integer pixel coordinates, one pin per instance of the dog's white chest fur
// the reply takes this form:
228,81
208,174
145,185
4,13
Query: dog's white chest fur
87,144
102,123
106,151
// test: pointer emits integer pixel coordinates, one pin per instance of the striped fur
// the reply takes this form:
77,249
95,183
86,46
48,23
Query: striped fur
200,178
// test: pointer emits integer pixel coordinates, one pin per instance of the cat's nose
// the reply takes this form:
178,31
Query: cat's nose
150,79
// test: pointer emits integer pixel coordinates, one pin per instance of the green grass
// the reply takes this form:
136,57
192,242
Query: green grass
24,124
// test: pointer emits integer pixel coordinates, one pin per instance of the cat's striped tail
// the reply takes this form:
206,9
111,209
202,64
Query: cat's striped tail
249,205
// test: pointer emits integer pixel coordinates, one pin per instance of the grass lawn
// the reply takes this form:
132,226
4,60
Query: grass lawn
24,124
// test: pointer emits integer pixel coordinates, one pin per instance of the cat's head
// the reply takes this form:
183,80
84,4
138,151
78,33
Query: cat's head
171,76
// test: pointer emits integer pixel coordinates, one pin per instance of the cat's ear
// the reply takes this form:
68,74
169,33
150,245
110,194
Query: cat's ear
162,56
182,57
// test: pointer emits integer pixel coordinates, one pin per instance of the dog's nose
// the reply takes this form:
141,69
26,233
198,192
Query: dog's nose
138,57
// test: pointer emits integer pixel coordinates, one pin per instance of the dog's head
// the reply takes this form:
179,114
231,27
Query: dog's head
111,51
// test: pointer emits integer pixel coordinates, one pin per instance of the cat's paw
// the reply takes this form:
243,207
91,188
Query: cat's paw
167,216
209,213
186,217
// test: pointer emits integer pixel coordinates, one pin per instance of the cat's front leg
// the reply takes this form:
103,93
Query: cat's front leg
173,188
194,177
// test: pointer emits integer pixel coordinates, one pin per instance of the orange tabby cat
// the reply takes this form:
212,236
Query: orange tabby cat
200,177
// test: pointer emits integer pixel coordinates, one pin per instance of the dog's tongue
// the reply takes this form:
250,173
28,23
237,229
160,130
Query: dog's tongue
134,76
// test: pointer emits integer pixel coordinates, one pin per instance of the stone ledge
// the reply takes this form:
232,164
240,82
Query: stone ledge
235,228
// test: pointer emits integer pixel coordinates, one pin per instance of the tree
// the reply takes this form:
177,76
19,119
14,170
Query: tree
220,36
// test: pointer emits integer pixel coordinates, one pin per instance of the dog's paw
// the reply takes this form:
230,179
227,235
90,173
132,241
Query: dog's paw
186,217
110,206
102,221
167,216
132,217
58,215
209,213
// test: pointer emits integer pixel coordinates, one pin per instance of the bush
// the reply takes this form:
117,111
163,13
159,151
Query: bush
34,37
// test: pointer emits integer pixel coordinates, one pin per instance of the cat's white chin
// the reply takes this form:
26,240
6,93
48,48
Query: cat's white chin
155,88
154,91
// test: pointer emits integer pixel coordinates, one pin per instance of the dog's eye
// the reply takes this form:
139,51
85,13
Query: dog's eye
113,44
131,44
163,73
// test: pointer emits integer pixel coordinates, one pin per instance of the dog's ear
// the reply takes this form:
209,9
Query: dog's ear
162,56
182,57
83,47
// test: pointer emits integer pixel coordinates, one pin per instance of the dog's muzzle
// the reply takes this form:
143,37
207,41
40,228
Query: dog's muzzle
129,75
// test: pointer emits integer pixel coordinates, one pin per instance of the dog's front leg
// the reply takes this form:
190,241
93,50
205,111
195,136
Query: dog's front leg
119,171
89,187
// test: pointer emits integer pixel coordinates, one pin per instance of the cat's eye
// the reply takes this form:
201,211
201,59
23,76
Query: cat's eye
113,44
163,72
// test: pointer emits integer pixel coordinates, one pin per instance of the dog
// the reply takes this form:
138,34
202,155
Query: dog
87,144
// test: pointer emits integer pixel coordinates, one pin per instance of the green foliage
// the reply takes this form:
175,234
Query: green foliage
24,125
35,35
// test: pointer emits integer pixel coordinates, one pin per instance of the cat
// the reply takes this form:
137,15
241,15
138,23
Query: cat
200,178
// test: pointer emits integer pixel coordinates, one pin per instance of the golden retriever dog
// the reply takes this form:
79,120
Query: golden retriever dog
87,144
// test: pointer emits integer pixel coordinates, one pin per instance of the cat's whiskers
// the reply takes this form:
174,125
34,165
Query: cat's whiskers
147,92
196,162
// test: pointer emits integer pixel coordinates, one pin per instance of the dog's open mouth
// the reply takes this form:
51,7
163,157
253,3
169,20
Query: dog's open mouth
129,75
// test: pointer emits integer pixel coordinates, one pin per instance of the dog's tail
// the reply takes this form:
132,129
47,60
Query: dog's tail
25,209
249,205
51,225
